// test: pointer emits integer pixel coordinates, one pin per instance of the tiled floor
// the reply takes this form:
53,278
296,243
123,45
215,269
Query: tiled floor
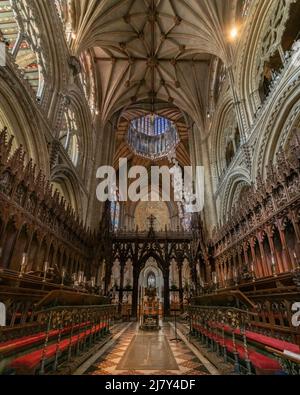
186,361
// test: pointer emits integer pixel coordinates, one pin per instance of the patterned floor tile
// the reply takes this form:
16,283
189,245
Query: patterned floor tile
187,362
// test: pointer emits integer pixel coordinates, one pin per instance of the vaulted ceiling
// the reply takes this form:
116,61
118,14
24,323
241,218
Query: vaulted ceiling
154,51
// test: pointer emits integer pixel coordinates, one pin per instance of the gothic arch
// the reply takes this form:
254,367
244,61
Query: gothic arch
278,125
58,69
73,100
218,139
21,121
237,179
129,208
143,260
259,43
67,184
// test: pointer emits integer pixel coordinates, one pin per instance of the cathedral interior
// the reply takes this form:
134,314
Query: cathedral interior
149,286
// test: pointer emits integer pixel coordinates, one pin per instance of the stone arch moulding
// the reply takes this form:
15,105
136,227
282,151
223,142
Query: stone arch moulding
259,43
219,138
240,176
143,261
284,135
23,123
69,188
277,126
74,100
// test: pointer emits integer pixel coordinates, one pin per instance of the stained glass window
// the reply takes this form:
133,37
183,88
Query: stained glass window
152,136
20,32
151,280
115,215
152,125
69,136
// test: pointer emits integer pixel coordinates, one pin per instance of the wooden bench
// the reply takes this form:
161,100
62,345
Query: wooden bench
31,362
17,345
262,364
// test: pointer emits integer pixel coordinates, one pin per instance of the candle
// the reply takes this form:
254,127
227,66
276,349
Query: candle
45,271
214,277
23,263
63,276
74,279
24,258
235,273
273,260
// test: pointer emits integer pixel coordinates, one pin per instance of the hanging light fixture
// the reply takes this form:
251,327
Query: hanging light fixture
234,32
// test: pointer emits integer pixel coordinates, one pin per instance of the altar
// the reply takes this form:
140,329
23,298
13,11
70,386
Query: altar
150,315
150,308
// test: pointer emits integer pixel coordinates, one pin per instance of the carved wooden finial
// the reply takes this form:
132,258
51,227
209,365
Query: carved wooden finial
17,160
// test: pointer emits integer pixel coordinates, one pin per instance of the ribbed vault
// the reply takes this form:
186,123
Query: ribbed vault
153,49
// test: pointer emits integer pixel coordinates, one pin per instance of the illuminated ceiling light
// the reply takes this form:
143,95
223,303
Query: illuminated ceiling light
234,33
73,36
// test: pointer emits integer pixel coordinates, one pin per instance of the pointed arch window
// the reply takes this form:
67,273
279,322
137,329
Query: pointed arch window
69,135
87,79
63,10
115,215
151,280
20,32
